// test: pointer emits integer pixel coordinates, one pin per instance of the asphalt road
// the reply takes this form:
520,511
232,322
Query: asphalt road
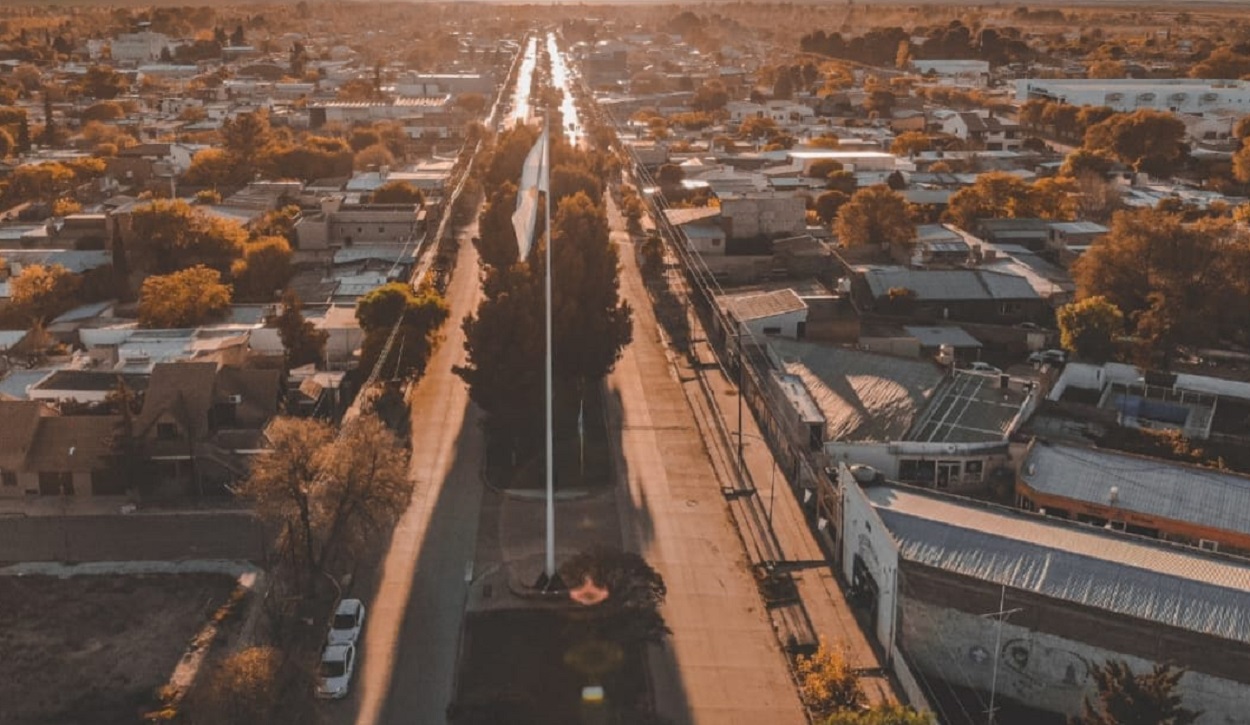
412,630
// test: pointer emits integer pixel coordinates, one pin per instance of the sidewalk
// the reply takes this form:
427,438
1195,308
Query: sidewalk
722,665
824,611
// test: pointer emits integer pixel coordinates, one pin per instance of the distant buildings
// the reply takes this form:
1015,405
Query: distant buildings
1179,95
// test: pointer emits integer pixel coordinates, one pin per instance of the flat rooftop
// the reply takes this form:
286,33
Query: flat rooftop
970,407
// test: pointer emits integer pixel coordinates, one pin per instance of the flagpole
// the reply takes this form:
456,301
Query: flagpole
550,569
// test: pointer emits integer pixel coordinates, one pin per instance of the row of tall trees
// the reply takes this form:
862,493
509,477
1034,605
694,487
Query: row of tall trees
590,323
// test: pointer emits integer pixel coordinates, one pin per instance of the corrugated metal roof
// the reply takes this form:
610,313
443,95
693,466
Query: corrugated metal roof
948,284
863,396
765,304
1170,585
1145,485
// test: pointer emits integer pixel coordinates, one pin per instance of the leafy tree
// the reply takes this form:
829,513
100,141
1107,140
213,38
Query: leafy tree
1089,328
264,269
304,343
506,159
172,235
1222,63
420,315
1149,141
621,590
496,242
247,140
277,223
39,182
187,298
504,339
103,111
828,204
7,144
1084,161
104,83
711,96
471,103
994,195
843,181
363,138
569,179
911,142
1176,282
374,157
880,715
670,176
757,127
1106,69
397,192
875,215
39,294
822,168
1125,698
210,167
826,141
827,684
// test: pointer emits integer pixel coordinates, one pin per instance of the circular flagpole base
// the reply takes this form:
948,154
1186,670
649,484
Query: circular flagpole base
550,585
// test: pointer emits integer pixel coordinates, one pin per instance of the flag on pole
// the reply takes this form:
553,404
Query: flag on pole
533,180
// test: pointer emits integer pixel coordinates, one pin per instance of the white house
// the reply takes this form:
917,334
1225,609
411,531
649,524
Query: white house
138,47
984,129
781,313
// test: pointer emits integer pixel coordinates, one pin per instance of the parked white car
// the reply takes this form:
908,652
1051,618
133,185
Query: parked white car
984,367
334,677
349,619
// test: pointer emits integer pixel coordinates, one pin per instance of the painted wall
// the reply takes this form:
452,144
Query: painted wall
1039,670
866,537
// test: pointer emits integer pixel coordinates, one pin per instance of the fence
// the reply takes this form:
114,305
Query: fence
134,537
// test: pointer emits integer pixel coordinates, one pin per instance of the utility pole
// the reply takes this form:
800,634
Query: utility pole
1000,615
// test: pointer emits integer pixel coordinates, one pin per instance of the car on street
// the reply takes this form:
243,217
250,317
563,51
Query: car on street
334,676
984,367
1048,357
349,619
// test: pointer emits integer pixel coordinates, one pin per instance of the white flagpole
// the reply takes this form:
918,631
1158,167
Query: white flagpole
550,569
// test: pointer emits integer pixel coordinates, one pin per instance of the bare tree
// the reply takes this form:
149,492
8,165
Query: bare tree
325,495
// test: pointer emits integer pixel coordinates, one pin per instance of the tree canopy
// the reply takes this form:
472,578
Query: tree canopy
1146,699
397,192
421,315
1149,141
172,235
1177,283
1089,328
875,215
186,298
304,343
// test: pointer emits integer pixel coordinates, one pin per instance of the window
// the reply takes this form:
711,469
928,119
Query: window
166,432
381,229
772,330
1208,545
1009,308
973,471
8,478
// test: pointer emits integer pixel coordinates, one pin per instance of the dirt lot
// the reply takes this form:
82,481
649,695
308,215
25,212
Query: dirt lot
93,649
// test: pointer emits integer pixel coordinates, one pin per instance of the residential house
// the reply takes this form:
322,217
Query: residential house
983,130
200,422
48,454
966,295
